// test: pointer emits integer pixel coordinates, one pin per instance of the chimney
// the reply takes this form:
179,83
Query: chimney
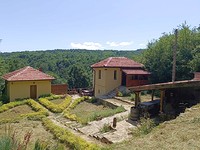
40,69
196,76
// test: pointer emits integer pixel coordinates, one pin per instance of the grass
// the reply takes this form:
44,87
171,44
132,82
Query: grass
106,128
86,112
15,112
38,133
57,101
180,133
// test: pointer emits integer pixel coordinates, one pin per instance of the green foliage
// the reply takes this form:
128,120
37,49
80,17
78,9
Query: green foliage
40,145
120,94
51,96
53,107
92,100
40,111
4,98
9,141
11,105
106,128
145,127
103,114
77,101
67,112
159,55
66,137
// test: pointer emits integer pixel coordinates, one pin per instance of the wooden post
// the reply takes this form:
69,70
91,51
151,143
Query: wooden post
174,57
152,95
162,96
137,98
114,122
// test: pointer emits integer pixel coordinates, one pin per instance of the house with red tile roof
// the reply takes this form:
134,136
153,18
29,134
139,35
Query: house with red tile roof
113,72
27,82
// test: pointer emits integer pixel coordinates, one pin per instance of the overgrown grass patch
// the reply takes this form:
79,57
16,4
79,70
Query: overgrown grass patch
86,112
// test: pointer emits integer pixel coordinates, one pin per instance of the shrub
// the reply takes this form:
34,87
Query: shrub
65,136
106,128
145,127
120,94
51,96
53,107
92,100
36,106
4,99
77,101
11,105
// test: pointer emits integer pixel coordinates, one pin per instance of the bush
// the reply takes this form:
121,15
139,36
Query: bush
51,96
65,136
53,107
120,94
77,101
4,99
145,127
106,128
11,105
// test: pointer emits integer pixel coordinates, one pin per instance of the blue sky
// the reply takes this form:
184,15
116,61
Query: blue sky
90,24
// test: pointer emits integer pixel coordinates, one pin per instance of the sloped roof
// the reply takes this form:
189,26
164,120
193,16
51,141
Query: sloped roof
26,74
133,71
120,62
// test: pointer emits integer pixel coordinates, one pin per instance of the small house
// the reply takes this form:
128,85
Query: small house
113,72
27,82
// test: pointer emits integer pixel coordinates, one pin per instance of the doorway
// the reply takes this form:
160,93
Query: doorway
123,79
33,91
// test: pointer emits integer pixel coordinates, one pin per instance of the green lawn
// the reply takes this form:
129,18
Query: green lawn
86,111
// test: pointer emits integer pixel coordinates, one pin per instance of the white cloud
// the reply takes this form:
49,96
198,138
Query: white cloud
87,45
116,44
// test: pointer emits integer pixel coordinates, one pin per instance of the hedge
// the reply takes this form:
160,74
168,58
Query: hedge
56,108
65,136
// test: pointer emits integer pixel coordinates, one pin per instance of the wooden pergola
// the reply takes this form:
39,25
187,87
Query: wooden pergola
162,87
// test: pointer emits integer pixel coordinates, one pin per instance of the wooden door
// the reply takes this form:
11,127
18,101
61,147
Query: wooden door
33,91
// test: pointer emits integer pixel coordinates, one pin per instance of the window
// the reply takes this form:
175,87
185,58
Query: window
99,74
134,77
115,74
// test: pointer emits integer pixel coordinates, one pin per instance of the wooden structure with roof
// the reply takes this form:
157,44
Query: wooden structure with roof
176,92
113,72
27,82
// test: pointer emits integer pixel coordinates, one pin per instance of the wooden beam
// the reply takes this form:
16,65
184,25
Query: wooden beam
162,97
137,98
152,95
167,85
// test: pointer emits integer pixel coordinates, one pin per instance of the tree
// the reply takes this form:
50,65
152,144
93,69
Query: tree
158,56
77,78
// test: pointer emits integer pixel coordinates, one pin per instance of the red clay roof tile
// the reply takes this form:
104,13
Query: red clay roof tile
121,62
26,74
132,71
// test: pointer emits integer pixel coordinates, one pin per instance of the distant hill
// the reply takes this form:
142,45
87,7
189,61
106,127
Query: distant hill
64,64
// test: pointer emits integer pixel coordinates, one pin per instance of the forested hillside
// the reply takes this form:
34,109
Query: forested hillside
67,66
159,55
